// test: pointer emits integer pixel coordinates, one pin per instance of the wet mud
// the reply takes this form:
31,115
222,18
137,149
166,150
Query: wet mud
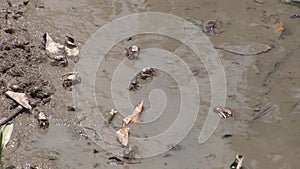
262,89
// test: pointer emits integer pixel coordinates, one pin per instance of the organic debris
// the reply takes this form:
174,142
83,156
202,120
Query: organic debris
5,134
111,116
22,100
43,120
263,113
50,45
227,136
134,85
295,16
70,79
132,52
71,48
223,112
115,161
212,27
248,49
122,135
59,60
135,115
147,73
238,162
278,27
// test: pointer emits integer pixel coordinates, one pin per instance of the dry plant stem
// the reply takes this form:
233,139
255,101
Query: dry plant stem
19,110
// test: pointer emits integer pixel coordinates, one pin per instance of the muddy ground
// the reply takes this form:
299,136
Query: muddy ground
254,83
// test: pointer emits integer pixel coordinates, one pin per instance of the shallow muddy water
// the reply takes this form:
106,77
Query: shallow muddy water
254,83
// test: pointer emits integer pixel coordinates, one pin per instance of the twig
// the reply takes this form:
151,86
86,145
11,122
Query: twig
264,112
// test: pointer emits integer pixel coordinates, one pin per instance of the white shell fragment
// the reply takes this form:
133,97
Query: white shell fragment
122,135
112,112
71,76
238,162
134,48
223,112
70,47
52,46
134,117
19,98
248,49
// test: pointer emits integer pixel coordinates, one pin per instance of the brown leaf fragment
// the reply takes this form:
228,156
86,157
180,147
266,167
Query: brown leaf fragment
122,135
135,115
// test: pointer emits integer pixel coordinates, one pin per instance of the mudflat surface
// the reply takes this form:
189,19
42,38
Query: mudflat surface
254,83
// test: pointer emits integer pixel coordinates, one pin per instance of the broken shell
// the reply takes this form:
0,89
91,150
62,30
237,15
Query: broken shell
43,120
132,52
238,162
122,135
72,52
51,45
69,41
72,76
19,98
135,115
223,112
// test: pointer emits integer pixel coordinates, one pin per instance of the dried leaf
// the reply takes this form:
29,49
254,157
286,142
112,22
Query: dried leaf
6,132
19,98
122,135
135,115
249,49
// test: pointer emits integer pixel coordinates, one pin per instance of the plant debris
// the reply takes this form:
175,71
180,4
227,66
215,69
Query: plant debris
135,115
5,134
22,100
122,135
223,112
238,162
263,113
248,49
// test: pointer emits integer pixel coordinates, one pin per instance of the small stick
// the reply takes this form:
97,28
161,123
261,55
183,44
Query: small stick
264,112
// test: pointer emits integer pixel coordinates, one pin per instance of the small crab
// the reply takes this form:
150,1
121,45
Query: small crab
223,112
70,79
59,60
132,52
147,72
134,85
